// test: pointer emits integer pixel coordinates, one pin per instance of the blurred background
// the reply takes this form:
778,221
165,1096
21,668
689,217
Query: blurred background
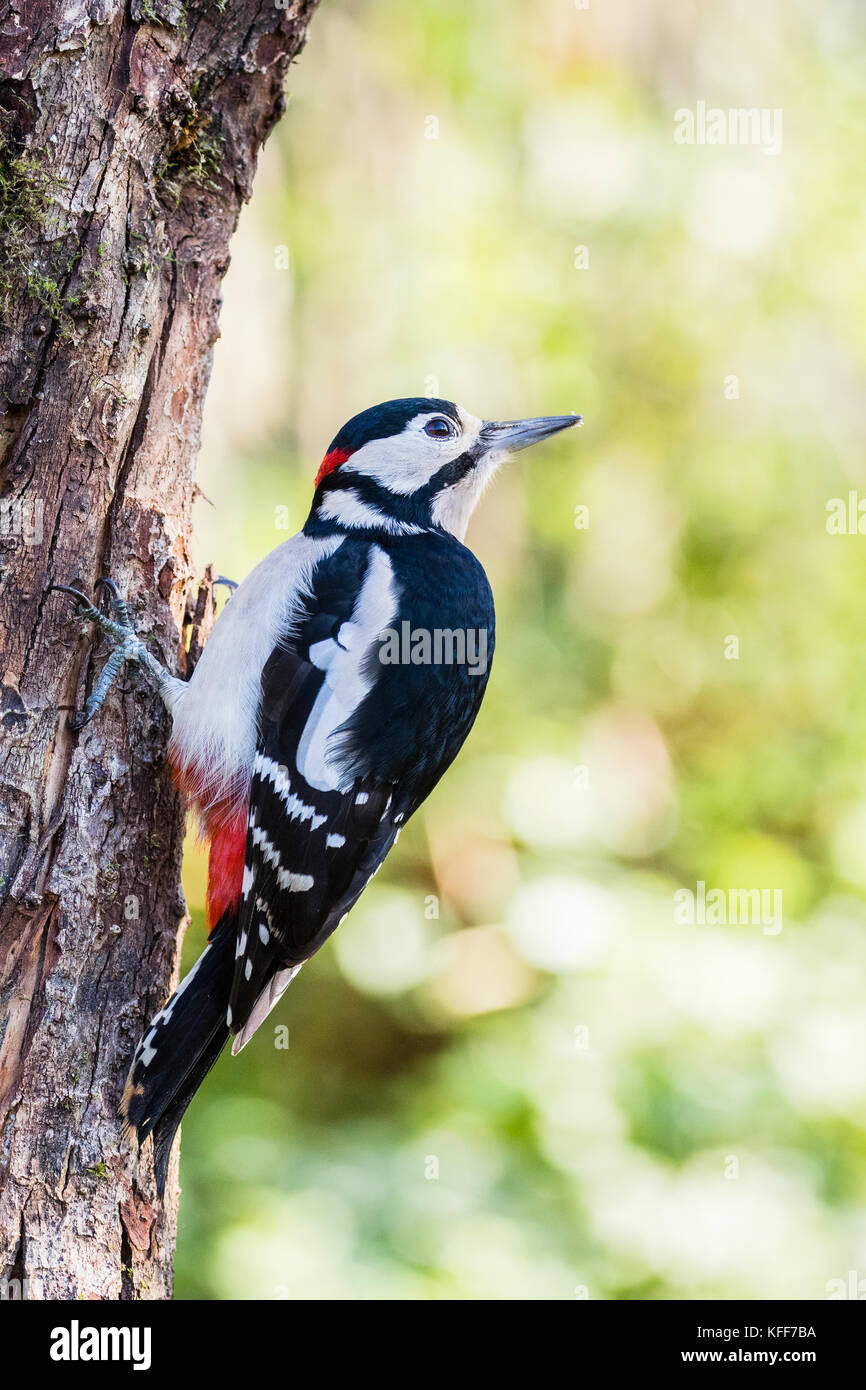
517,1072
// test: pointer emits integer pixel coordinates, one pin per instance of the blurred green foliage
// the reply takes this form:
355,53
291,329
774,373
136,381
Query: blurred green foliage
554,1089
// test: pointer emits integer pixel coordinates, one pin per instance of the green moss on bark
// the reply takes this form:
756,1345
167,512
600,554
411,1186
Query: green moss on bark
32,265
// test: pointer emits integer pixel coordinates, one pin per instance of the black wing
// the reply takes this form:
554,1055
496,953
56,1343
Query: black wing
324,809
310,853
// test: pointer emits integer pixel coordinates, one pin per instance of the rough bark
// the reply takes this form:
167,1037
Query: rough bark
128,140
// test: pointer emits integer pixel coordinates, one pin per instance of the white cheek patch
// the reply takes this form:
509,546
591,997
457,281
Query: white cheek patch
407,461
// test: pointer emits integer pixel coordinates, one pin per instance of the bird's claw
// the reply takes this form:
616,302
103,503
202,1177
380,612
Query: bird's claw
129,646
119,610
85,607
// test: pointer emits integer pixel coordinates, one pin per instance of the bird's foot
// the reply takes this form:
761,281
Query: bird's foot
128,647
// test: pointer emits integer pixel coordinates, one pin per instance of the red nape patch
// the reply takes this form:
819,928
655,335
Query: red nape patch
330,462
225,868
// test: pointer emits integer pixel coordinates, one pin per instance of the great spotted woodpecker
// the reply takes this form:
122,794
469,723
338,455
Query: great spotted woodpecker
303,750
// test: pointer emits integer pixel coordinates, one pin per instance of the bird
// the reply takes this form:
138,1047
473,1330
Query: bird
301,745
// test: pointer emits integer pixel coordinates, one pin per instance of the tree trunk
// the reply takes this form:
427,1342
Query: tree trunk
128,139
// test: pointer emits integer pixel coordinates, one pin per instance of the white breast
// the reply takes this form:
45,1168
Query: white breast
213,740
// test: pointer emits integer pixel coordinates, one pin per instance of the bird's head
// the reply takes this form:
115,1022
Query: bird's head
417,463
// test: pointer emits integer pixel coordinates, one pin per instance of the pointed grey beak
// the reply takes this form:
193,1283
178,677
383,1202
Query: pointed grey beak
507,436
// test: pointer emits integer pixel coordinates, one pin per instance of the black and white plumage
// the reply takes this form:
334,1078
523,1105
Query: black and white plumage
303,750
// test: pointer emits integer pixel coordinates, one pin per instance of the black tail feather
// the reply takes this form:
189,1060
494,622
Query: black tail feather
179,1048
168,1123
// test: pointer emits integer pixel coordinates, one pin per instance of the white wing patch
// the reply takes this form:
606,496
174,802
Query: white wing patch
346,684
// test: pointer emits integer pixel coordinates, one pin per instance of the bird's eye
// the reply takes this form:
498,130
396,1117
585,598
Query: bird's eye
438,428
